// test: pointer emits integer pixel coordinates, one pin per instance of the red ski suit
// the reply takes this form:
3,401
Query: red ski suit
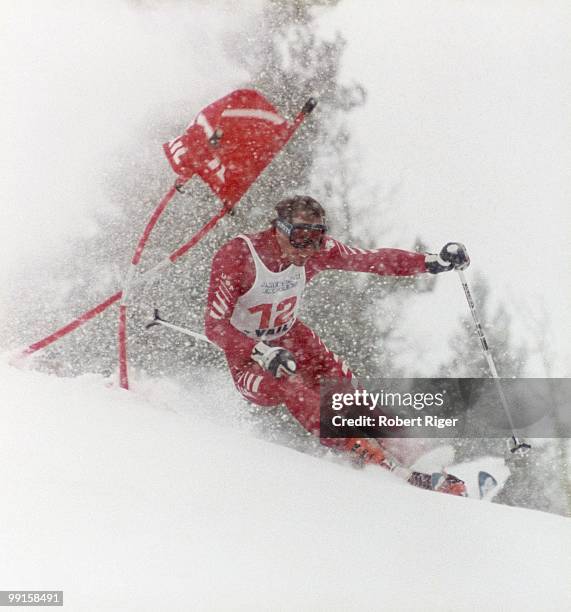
234,273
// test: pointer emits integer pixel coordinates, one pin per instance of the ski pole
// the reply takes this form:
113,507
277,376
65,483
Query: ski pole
157,320
519,446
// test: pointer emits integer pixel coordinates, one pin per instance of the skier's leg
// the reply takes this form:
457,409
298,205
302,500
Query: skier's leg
316,363
263,389
255,384
300,393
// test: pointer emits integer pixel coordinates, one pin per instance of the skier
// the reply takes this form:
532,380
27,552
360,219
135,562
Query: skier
255,292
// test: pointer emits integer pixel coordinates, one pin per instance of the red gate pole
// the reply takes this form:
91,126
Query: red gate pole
123,377
123,369
93,312
72,325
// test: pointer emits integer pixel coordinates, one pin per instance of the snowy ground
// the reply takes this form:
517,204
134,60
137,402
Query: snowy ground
141,501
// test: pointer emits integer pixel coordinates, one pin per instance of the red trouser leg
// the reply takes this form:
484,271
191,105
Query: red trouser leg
300,393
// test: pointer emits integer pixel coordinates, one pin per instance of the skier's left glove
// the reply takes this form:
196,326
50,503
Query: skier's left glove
453,256
274,359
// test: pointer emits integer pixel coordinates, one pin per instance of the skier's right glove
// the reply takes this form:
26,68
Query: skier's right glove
453,256
276,360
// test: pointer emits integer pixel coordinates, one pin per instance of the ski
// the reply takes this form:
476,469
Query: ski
487,484
442,482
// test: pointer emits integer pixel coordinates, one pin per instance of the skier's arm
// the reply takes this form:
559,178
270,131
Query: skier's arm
231,276
387,262
392,262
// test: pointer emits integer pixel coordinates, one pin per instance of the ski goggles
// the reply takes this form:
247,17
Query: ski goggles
302,235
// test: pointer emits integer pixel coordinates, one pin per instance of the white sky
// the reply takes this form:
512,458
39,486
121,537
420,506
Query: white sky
468,112
83,80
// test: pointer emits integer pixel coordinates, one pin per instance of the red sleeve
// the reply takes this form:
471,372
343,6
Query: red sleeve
335,255
232,274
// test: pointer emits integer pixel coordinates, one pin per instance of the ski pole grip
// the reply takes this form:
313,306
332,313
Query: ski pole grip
309,106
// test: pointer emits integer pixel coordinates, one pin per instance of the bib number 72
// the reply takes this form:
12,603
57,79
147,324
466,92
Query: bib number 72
274,315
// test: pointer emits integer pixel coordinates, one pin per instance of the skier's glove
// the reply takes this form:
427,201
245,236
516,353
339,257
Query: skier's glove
453,256
274,359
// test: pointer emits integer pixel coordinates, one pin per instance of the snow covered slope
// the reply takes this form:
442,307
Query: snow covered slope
140,501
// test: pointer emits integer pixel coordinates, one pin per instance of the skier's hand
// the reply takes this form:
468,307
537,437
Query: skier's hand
274,359
453,256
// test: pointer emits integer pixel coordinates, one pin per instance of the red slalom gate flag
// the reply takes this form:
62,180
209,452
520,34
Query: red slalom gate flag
230,142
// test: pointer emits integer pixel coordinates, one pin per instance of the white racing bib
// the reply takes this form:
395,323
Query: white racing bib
269,308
